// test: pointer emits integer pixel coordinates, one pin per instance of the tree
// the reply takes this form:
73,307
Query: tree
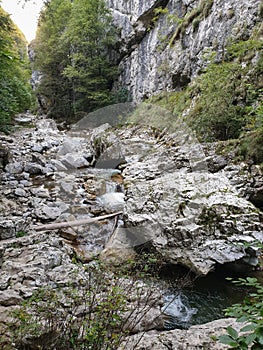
89,35
51,57
72,55
14,71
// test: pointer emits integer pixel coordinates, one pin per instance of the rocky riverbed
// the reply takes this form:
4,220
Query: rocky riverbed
185,202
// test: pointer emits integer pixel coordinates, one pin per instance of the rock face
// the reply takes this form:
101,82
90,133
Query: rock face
176,204
197,337
178,199
149,64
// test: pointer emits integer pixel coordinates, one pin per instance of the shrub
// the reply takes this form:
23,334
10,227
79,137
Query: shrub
216,114
251,146
251,142
95,312
250,312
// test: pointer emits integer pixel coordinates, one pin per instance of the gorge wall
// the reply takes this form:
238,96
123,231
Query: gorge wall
165,50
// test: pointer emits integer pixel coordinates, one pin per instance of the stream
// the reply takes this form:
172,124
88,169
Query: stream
205,301
85,192
206,298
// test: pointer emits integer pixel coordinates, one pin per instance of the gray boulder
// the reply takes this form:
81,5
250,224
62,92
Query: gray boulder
74,161
176,206
10,227
195,338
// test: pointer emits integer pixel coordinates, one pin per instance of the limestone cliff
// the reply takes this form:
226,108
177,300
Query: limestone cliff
163,43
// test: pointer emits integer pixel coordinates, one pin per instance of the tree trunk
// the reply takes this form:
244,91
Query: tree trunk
58,225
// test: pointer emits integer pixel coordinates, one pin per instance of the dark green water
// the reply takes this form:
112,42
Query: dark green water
202,302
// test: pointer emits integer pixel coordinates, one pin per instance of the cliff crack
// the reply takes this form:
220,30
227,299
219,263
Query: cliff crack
141,28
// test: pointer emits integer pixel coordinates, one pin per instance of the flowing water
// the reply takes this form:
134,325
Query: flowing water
203,302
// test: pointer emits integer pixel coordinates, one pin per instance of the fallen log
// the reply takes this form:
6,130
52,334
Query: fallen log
58,225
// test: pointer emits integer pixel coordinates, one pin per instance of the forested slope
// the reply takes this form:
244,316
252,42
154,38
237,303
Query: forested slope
15,89
71,50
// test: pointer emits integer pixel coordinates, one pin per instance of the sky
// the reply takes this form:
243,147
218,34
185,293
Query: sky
25,17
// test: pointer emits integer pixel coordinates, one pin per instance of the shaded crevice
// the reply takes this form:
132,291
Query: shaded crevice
141,28
257,199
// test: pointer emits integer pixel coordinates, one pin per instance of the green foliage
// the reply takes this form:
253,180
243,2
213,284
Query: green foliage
21,234
229,94
145,265
194,17
157,13
121,95
51,56
83,316
217,113
96,312
251,146
225,100
176,102
243,50
72,54
250,312
14,72
210,218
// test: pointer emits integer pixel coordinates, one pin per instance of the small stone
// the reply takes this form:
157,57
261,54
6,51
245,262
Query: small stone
4,280
20,192
40,192
9,297
14,168
68,233
37,148
33,169
26,183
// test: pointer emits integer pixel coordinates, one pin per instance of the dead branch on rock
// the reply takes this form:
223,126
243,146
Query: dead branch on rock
58,225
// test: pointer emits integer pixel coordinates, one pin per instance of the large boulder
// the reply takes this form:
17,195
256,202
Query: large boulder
75,152
189,214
